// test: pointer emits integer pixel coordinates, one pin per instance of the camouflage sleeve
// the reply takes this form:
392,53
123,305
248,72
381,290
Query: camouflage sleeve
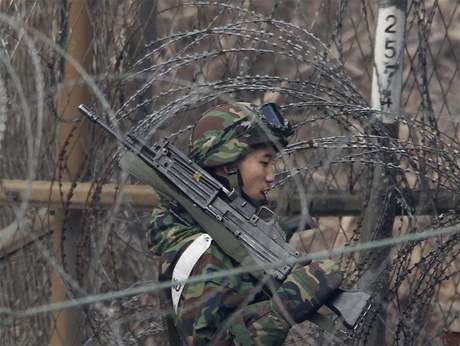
303,291
258,323
166,232
222,310
227,311
306,289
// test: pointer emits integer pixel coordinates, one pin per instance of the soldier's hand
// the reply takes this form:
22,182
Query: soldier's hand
306,288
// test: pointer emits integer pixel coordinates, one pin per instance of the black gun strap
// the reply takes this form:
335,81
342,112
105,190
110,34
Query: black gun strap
220,234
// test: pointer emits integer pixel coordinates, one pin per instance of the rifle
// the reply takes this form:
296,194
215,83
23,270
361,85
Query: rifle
178,177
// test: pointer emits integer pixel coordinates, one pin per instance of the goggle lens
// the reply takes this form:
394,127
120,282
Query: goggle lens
272,117
272,114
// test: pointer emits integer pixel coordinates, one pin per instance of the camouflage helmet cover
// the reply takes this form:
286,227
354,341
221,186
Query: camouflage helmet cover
227,132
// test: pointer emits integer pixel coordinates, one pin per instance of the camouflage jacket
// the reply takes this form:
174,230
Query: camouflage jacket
223,311
228,310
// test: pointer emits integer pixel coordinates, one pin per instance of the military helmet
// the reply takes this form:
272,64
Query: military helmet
229,131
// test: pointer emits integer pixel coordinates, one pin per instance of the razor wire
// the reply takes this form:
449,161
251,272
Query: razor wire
158,65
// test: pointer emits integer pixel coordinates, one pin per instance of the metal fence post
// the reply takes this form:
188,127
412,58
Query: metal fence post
386,94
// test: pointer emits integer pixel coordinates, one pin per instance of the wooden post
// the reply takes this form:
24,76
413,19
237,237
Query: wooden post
386,91
70,152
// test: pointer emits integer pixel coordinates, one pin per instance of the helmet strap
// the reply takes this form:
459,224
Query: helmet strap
236,182
234,178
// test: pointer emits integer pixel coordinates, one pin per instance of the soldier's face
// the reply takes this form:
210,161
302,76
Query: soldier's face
257,172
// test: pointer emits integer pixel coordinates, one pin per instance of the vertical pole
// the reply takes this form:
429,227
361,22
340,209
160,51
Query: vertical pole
386,95
70,148
388,58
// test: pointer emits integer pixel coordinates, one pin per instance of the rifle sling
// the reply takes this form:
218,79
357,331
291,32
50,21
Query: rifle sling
220,234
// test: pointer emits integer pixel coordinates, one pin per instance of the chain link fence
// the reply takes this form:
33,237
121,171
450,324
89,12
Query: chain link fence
151,67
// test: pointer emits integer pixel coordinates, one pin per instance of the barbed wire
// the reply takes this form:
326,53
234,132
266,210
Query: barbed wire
151,69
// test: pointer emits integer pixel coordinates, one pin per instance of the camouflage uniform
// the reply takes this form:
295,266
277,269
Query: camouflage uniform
235,309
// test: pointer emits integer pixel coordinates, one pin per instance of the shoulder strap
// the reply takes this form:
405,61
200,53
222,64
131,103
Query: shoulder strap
185,265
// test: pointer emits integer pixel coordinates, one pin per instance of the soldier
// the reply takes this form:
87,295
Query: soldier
237,144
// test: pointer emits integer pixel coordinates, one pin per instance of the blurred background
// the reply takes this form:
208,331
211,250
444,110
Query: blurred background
371,88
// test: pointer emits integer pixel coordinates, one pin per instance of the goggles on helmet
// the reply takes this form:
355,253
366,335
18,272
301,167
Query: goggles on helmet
272,118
